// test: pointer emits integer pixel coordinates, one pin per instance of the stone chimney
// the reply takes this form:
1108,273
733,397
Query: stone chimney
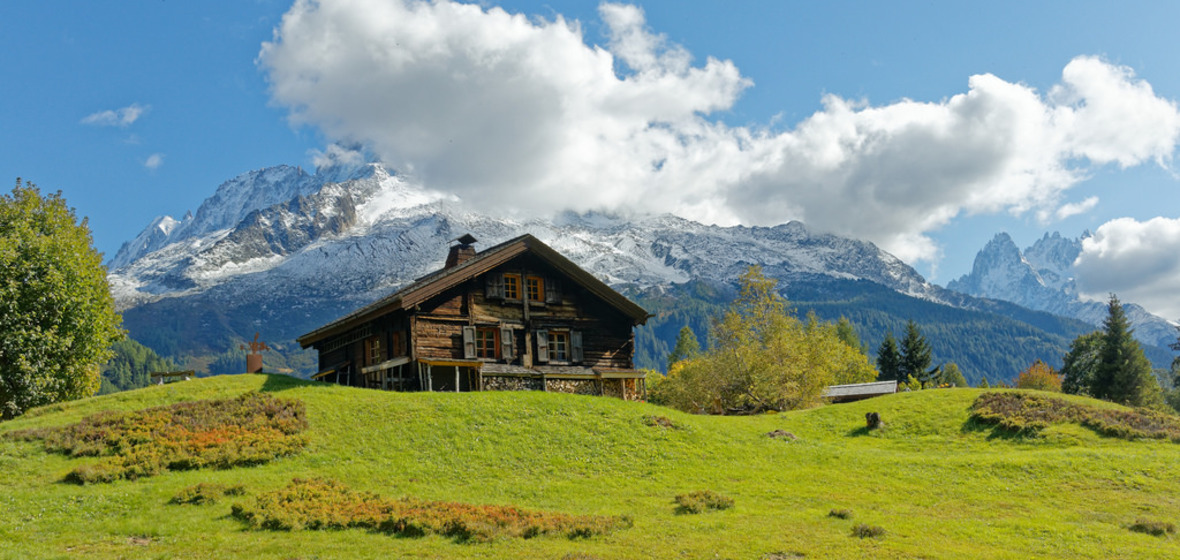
460,253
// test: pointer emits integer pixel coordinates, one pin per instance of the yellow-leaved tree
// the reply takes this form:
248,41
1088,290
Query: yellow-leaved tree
763,358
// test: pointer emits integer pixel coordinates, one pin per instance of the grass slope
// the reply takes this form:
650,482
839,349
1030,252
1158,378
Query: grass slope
938,484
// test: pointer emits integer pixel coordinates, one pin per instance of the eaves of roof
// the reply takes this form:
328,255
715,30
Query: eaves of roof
436,282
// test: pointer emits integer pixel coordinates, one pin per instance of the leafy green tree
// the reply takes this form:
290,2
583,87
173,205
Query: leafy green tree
1080,363
57,316
889,360
915,355
952,376
1123,374
763,358
846,332
686,347
983,384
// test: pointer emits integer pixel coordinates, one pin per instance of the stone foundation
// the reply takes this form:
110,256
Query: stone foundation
511,384
573,386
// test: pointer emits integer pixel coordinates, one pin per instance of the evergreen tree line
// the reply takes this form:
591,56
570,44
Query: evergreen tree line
1109,364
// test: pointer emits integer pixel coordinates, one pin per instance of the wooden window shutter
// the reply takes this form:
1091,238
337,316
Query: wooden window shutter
576,346
542,346
551,293
495,286
469,343
507,344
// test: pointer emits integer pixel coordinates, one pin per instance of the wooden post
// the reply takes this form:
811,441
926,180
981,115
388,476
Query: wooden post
429,378
456,379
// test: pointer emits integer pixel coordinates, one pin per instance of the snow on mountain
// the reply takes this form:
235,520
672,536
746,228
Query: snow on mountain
357,234
1042,277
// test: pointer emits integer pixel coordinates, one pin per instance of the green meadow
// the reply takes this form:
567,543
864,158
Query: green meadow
938,484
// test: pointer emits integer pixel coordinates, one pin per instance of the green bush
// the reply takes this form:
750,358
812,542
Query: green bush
319,504
1029,413
248,430
701,500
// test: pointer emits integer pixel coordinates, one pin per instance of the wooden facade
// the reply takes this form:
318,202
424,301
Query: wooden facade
517,316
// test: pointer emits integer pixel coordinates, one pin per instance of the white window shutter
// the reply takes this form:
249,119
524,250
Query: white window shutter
507,343
576,346
469,342
551,293
542,346
495,286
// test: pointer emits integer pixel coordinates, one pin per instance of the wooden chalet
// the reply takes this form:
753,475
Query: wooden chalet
517,316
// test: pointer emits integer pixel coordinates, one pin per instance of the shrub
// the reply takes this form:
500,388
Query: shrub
701,500
1155,528
661,421
840,513
1039,376
319,504
867,531
206,493
248,430
1029,413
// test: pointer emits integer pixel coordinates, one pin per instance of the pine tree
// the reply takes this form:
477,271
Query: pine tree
686,348
1081,363
1123,373
889,360
915,355
983,384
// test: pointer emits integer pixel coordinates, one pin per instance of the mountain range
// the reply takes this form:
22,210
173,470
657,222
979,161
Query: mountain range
280,251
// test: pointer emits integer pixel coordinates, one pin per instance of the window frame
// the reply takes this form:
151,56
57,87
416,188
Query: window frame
559,346
492,348
534,288
512,286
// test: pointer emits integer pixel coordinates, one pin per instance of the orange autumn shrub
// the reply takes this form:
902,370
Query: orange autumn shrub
248,430
1039,376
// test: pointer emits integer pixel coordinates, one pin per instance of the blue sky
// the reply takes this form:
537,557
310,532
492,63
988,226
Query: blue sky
138,109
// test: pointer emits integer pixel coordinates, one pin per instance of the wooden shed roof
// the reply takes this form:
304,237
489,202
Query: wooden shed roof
858,391
436,282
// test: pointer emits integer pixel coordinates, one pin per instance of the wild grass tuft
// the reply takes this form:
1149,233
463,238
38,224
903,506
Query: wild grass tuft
1154,528
702,500
867,531
206,493
840,513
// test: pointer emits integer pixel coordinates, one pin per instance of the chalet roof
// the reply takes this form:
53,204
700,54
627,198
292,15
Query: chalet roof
436,282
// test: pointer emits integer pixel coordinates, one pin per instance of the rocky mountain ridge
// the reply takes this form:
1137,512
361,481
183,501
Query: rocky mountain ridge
1042,277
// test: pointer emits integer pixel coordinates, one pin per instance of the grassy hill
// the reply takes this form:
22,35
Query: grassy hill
940,485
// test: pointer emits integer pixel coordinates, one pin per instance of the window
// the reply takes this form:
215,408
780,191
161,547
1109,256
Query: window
535,287
511,286
487,343
373,351
559,346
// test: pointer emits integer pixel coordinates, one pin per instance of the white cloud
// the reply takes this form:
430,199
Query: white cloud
118,117
1139,261
522,114
154,161
1075,208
